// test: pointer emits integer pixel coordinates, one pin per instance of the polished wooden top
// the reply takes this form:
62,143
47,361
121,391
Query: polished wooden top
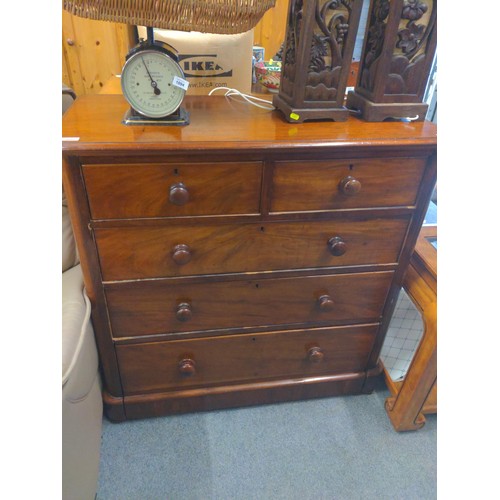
94,122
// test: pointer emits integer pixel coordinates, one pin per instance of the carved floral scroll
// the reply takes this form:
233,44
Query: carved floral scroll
399,47
318,50
417,22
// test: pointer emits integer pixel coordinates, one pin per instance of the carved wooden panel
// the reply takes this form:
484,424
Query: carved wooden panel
399,46
410,45
318,49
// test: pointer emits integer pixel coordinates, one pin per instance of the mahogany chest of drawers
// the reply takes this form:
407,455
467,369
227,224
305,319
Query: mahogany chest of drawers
241,259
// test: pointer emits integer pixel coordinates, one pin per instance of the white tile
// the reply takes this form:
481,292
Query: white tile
418,324
398,343
406,354
394,352
415,334
410,344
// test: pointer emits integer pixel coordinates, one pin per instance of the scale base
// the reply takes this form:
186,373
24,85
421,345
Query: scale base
179,118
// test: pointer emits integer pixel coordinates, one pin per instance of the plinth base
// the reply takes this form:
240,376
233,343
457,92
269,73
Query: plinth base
179,118
299,115
118,409
378,112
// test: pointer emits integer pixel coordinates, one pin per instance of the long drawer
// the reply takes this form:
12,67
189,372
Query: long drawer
153,367
121,191
305,186
149,252
158,306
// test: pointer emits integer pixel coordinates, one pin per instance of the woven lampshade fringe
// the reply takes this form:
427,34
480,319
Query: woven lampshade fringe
206,16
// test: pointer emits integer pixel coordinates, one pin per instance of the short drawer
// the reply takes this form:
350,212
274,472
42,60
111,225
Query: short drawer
148,252
304,186
158,306
172,190
159,366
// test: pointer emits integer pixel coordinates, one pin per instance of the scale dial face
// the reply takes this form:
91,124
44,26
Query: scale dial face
148,83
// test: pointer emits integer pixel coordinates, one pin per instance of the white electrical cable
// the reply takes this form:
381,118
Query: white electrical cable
248,98
269,105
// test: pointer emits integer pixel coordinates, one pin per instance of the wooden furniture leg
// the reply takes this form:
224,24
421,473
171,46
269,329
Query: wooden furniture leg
405,408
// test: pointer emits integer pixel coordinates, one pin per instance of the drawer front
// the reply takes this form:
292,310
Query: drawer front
328,185
173,190
155,307
148,252
209,361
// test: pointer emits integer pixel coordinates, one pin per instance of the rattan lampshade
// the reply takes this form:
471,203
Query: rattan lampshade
208,16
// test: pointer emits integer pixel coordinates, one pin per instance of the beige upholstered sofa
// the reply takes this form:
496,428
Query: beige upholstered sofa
81,391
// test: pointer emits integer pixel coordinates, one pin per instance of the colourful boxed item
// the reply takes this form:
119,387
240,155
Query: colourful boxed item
210,61
269,74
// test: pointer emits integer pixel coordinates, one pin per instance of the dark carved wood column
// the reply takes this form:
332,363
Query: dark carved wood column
318,49
399,47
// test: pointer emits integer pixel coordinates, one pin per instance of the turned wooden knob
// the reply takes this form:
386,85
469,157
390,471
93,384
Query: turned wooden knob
315,355
350,186
325,303
179,195
337,246
187,367
181,254
184,312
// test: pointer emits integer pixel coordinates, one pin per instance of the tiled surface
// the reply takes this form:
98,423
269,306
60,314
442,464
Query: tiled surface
403,336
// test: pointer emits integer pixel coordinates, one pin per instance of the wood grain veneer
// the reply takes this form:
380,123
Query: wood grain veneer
195,240
153,367
358,183
144,190
218,123
184,250
151,307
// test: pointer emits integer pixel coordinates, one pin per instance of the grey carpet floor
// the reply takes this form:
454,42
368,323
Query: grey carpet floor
338,448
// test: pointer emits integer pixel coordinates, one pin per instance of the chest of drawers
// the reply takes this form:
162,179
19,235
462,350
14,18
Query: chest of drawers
240,260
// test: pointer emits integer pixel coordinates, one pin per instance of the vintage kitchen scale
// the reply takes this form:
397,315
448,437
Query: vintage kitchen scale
153,84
